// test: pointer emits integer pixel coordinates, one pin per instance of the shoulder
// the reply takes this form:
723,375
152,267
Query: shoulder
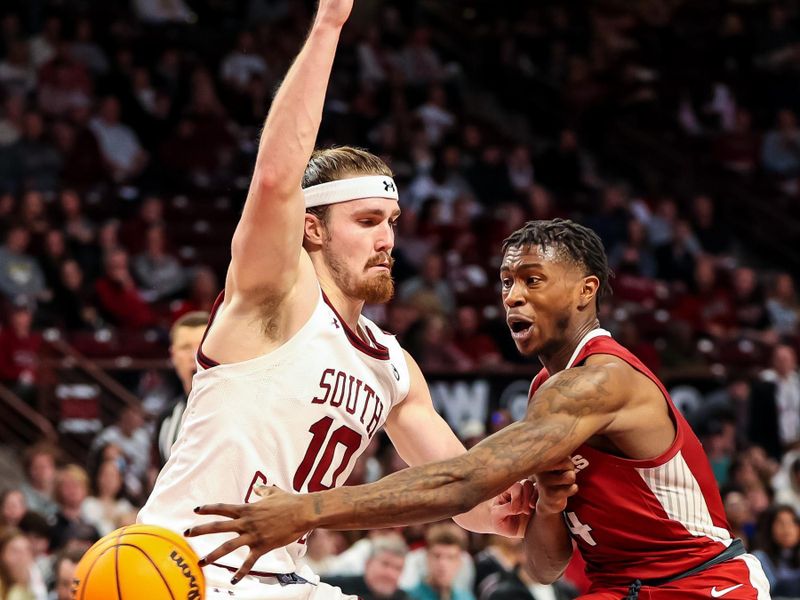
596,387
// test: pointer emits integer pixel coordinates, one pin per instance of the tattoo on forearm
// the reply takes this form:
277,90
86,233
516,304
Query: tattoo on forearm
444,489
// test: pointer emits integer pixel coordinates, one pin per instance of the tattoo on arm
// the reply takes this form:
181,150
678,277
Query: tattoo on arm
559,419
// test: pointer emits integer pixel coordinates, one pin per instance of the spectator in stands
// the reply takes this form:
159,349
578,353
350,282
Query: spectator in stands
780,153
436,118
118,143
518,585
85,50
429,291
12,121
739,149
381,572
83,164
322,547
778,549
39,160
745,478
779,406
43,45
118,297
783,306
150,213
446,544
12,507
520,169
17,73
676,260
740,517
203,293
418,60
472,342
53,255
661,225
107,509
560,168
130,435
20,274
71,306
72,488
786,482
33,216
713,235
64,568
64,84
185,337
634,254
243,63
39,463
19,351
39,532
501,556
78,228
159,273
16,566
431,340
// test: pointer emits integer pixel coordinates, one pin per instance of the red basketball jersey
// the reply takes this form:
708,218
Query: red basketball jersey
642,519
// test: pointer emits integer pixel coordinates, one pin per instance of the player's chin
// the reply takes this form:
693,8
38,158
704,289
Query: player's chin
528,346
378,289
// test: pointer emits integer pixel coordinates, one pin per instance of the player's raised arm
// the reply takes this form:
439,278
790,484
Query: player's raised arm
569,408
266,245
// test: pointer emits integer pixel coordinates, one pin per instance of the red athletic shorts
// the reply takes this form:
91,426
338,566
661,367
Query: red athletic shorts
740,578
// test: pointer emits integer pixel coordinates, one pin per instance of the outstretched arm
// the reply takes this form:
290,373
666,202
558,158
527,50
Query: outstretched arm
572,406
420,436
265,251
564,413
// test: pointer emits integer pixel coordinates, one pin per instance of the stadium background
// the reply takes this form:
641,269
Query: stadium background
128,132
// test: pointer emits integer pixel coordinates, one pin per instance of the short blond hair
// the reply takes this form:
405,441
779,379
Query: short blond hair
446,534
197,318
70,470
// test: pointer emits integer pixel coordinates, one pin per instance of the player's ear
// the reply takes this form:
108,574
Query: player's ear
314,230
589,288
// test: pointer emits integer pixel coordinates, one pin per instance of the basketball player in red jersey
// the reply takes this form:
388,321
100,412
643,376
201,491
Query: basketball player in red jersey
293,381
647,515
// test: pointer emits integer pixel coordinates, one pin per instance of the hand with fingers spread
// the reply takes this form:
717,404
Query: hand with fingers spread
272,522
554,488
511,510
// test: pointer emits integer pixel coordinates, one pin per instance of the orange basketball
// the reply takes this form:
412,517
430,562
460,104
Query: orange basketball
139,562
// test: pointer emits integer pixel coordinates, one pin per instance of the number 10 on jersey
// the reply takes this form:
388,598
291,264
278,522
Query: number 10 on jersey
324,446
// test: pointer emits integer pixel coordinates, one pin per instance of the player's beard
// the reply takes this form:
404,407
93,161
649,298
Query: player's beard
372,289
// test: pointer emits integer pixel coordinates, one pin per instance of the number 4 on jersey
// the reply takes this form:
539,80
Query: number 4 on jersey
579,529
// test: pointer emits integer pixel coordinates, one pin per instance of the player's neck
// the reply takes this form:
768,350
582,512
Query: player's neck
557,360
349,309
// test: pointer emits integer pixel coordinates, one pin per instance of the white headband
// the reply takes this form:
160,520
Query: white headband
344,190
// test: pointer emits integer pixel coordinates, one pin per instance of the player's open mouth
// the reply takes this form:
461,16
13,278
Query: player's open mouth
521,327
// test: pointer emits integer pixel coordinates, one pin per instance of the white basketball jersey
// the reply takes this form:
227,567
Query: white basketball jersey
297,418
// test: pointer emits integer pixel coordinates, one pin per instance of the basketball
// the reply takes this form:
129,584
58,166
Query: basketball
139,562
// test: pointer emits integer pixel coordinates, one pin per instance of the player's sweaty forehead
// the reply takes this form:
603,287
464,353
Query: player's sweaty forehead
529,255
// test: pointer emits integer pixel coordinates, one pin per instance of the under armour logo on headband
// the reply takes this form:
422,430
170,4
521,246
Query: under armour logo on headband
350,188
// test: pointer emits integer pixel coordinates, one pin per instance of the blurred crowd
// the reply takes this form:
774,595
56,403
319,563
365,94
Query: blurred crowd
127,136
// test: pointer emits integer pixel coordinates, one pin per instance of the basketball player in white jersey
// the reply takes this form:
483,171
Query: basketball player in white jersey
292,381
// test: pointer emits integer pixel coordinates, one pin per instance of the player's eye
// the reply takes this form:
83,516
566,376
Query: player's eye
533,280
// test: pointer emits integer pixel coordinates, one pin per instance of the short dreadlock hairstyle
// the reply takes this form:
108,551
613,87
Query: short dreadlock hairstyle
572,241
